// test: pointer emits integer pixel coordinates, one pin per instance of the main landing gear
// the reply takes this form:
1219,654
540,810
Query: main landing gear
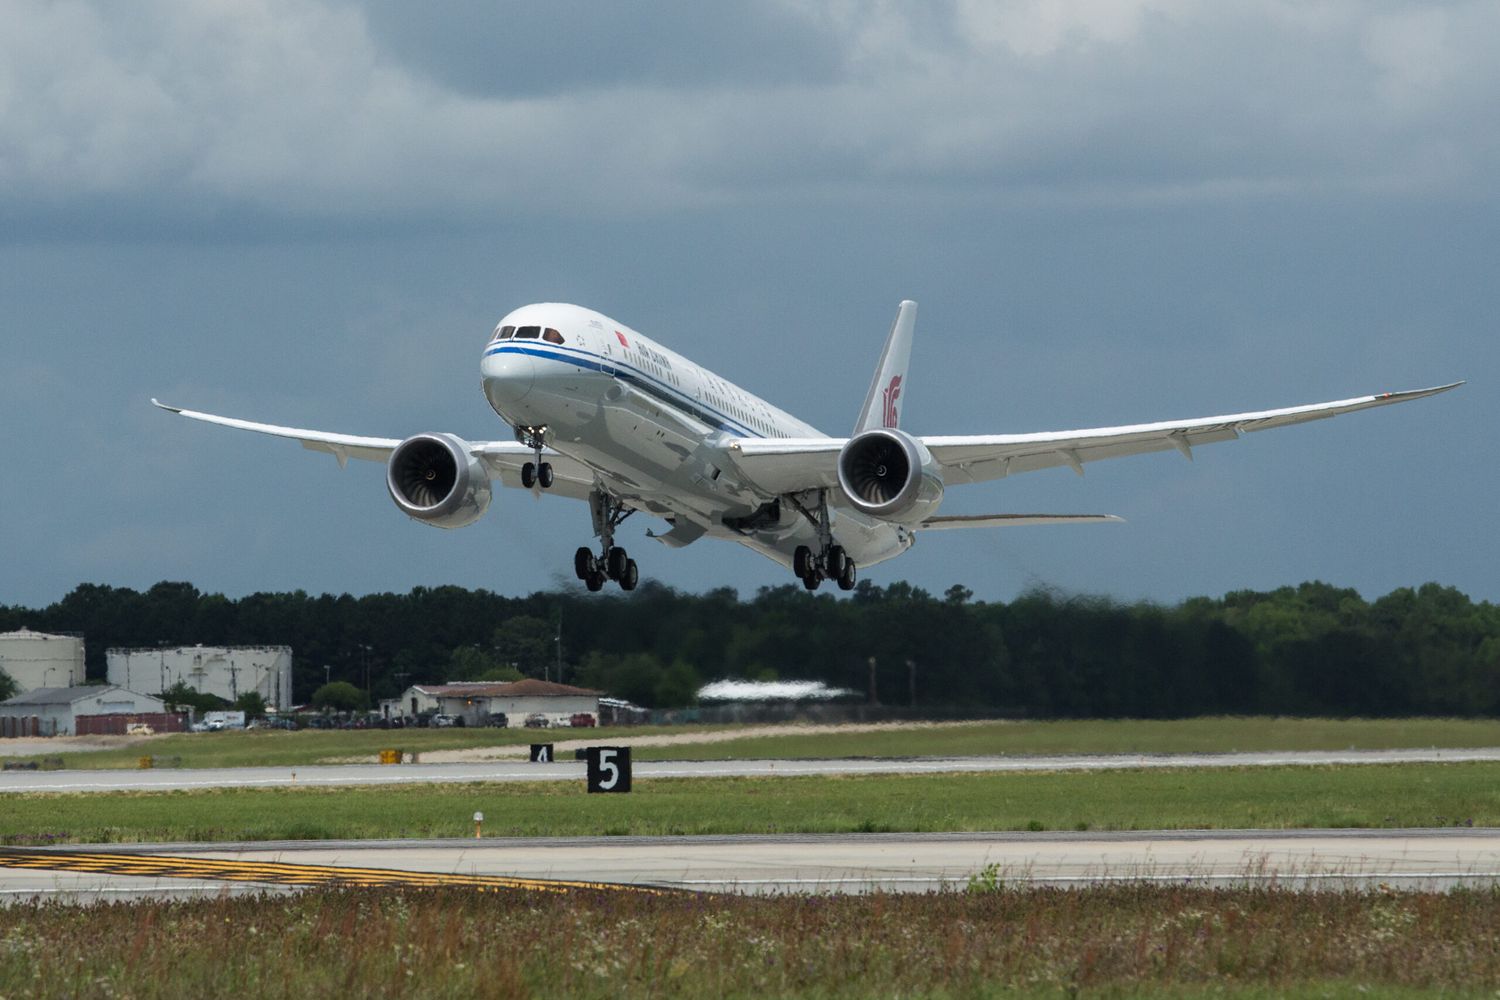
830,562
536,473
612,562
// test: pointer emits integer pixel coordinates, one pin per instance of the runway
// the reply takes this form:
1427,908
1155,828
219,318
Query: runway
1303,860
397,774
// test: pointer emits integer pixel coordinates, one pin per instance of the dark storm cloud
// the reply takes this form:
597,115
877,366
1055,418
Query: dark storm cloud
195,113
518,49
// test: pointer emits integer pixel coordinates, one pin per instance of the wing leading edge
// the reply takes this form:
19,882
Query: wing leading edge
503,459
785,465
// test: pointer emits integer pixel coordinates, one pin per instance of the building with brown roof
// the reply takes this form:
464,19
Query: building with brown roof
477,702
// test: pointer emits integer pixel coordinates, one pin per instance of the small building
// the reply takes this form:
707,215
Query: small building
476,701
41,659
57,710
226,671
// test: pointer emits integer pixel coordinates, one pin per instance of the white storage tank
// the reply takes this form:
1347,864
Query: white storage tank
227,671
37,660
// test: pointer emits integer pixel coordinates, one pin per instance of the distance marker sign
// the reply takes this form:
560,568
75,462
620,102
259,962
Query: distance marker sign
541,753
608,769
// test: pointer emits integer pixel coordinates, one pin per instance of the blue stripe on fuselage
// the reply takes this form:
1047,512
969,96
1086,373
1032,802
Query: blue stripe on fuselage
651,386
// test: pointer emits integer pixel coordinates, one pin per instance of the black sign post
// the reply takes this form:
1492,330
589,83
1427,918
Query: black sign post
541,753
609,769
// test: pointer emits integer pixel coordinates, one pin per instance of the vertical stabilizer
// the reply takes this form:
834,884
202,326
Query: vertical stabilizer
883,402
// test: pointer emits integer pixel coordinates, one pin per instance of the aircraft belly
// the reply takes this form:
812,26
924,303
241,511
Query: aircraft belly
667,463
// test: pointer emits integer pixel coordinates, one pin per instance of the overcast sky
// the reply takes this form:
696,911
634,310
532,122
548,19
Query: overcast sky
312,213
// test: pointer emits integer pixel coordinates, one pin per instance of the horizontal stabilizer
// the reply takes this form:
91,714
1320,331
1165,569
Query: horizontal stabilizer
1014,520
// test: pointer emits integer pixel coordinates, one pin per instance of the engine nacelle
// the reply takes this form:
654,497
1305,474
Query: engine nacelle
434,479
890,475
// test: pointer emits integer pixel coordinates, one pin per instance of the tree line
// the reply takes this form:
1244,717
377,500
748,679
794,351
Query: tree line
1313,649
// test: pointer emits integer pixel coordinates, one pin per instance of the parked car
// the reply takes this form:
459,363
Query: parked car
497,719
584,719
536,720
139,729
444,721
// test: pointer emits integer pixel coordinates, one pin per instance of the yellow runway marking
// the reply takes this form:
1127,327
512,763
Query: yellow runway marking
279,873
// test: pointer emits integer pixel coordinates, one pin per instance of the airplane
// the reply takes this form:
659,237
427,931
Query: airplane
603,413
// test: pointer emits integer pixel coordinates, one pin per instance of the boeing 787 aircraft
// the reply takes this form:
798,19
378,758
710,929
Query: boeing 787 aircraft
604,414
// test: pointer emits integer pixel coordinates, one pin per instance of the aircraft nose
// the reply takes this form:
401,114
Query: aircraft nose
508,377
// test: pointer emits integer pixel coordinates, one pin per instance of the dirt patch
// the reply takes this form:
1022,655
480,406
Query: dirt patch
47,746
567,744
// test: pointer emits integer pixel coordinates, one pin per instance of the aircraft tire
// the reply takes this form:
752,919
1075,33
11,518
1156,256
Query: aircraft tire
802,561
615,563
631,576
544,475
836,560
848,575
595,582
528,475
811,581
583,563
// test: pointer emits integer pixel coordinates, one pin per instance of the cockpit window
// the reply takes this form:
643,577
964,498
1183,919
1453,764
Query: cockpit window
551,336
504,332
528,333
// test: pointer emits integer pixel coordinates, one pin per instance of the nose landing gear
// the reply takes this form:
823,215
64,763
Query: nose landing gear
612,562
538,473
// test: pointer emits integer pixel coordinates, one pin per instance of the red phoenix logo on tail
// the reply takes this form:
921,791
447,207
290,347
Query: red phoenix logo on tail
892,393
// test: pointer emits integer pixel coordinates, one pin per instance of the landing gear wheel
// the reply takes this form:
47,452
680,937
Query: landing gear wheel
834,562
811,581
802,561
631,576
616,562
847,575
544,475
595,582
583,564
528,475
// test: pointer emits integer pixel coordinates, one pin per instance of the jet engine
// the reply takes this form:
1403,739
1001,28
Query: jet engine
890,475
434,479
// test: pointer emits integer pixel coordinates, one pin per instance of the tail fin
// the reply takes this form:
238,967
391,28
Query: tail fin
881,409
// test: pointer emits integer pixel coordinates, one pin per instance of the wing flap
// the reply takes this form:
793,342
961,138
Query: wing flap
953,521
788,465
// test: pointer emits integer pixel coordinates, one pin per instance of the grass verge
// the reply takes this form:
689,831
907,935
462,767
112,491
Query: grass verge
1104,736
1409,795
278,748
1086,736
1116,941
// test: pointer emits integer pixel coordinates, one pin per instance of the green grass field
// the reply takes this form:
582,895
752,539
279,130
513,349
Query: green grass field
271,747
1272,797
1130,941
1100,736
1206,735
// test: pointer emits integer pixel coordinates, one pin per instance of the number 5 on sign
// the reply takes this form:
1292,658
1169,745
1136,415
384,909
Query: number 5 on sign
609,769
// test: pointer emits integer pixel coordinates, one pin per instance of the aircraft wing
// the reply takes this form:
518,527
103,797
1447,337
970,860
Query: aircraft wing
786,465
503,459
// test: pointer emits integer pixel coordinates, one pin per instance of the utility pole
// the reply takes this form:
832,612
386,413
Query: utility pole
874,698
559,644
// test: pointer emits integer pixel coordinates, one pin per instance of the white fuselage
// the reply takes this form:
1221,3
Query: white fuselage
655,428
